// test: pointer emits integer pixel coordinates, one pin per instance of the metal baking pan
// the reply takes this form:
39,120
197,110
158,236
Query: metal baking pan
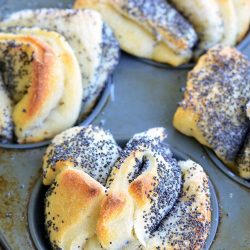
36,220
145,96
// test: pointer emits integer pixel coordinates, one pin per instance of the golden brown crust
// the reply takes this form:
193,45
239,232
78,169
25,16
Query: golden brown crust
43,64
140,188
46,89
72,206
111,207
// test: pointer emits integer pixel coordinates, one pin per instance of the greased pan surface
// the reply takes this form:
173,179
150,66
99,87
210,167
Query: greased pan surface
145,96
36,218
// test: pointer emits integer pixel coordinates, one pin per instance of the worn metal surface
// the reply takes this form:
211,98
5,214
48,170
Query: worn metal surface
145,96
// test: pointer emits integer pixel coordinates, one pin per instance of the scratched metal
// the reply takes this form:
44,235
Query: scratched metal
145,96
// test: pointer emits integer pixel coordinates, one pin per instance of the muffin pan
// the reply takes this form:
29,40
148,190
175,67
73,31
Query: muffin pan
145,96
36,218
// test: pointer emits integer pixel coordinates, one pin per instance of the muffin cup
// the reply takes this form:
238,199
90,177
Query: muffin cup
102,100
226,170
36,218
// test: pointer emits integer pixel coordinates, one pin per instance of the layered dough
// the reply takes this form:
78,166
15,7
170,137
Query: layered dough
152,29
139,193
149,201
206,18
91,149
43,78
211,111
217,21
91,39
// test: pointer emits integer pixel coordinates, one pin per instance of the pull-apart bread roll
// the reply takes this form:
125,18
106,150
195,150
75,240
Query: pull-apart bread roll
42,76
71,208
149,29
143,186
213,109
91,39
91,149
149,201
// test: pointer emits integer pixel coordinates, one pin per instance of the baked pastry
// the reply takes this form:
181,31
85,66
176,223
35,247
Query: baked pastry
187,225
242,8
72,206
6,108
43,78
91,39
217,89
139,193
91,149
159,203
149,29
206,18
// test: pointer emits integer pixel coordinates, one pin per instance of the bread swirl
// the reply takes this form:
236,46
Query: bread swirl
92,41
165,37
39,81
217,89
92,149
139,191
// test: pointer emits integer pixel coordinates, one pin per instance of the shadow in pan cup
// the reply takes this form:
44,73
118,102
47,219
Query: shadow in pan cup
241,46
226,170
36,211
3,243
101,102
